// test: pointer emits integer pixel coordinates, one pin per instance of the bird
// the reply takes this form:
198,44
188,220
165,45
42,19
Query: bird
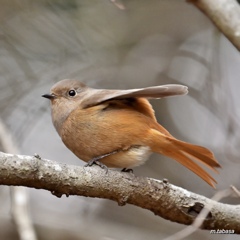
118,128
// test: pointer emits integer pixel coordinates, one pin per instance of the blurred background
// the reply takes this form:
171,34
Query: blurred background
128,44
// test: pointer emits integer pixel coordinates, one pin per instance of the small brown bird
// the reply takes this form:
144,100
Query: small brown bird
118,128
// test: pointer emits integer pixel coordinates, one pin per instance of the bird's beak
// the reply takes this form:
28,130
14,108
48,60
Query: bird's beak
49,96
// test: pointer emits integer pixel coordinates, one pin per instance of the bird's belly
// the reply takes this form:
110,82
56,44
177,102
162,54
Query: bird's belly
133,157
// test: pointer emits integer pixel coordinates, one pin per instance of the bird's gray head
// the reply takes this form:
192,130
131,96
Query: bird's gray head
66,89
65,96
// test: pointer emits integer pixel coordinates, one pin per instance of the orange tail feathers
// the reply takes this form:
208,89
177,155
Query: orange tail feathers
185,153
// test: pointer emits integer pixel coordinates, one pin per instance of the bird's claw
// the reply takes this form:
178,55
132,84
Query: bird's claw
96,162
128,170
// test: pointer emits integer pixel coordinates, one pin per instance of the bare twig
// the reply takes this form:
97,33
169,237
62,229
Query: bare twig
19,196
118,4
163,199
235,190
201,217
225,14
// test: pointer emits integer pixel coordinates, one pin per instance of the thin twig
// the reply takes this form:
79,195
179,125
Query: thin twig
118,4
235,190
201,217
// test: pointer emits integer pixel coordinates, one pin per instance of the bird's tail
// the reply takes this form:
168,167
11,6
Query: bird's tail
186,154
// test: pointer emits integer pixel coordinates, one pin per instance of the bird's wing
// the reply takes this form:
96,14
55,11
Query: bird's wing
98,96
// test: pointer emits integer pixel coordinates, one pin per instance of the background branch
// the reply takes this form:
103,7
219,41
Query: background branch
19,196
225,14
160,197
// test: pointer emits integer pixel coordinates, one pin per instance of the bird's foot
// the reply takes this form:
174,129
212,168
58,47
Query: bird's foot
128,170
96,162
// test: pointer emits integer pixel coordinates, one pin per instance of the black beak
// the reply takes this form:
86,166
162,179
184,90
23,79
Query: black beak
49,96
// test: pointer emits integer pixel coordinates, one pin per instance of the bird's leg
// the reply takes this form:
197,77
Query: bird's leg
96,160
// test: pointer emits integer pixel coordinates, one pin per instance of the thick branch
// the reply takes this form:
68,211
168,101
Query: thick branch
160,197
225,14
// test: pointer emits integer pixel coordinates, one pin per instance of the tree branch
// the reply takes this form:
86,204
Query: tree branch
160,197
225,14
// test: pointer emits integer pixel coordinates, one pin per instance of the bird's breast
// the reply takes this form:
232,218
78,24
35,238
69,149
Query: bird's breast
91,132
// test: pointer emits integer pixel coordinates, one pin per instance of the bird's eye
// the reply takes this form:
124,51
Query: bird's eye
72,93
